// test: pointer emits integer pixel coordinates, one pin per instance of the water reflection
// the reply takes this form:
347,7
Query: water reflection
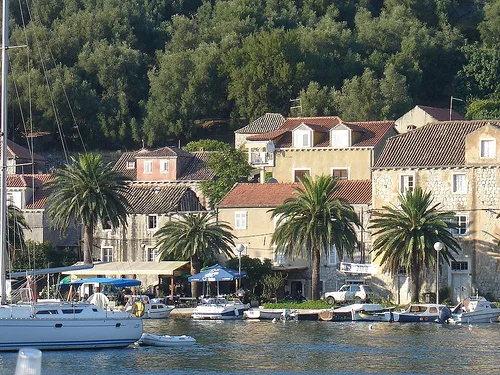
243,347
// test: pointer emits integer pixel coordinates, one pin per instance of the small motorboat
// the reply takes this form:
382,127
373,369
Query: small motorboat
220,308
475,310
267,314
418,312
166,340
304,314
153,308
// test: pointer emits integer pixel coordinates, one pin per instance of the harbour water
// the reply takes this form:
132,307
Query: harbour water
263,347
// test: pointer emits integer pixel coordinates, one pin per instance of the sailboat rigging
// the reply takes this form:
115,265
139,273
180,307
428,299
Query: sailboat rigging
50,324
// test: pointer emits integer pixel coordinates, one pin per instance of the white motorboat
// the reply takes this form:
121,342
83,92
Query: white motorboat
369,312
166,340
153,309
417,312
267,314
220,308
475,310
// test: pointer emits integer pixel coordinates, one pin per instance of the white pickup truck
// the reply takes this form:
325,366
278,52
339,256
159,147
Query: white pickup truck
349,292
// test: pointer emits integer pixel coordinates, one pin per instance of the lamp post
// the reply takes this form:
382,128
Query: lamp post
239,249
438,246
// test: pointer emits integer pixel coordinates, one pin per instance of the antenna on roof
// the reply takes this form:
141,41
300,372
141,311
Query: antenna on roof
451,103
297,106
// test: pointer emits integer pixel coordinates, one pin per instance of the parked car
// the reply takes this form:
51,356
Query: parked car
349,292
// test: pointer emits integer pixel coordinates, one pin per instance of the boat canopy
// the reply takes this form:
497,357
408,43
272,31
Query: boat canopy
217,273
119,283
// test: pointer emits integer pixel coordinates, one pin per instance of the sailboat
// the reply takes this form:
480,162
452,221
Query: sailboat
50,324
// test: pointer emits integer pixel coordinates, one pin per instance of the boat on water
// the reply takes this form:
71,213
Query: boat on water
267,314
355,311
165,340
49,324
475,310
370,312
153,309
304,314
220,308
56,324
417,312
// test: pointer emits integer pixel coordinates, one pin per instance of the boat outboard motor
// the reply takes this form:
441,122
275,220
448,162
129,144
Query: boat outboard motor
444,315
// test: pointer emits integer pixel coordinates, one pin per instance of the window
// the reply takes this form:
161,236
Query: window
240,220
340,138
406,183
148,166
279,257
332,255
459,183
302,138
164,166
459,266
299,173
106,224
10,199
151,254
341,173
130,164
152,221
462,226
488,148
107,253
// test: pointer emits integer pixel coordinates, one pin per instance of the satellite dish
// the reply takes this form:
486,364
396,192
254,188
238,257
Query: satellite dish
272,180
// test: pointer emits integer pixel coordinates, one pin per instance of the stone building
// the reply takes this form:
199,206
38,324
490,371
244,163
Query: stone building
459,162
26,192
247,210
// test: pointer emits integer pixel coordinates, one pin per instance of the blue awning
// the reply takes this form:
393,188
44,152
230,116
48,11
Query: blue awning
217,273
119,283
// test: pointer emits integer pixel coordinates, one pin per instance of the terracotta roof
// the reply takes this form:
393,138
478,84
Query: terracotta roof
121,164
159,198
39,196
436,144
17,151
27,180
441,114
272,195
372,131
264,124
197,170
163,152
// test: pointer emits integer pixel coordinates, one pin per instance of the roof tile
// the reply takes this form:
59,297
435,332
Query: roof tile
436,144
272,195
267,123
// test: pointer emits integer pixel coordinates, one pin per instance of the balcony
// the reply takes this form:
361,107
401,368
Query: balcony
260,154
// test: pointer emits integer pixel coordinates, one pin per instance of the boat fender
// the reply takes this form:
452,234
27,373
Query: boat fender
138,309
236,312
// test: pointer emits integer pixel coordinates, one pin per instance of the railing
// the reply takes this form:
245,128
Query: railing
262,158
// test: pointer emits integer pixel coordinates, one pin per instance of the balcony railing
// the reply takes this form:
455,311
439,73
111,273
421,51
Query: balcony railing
262,158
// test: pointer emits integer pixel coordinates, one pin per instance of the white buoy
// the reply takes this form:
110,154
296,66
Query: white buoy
370,327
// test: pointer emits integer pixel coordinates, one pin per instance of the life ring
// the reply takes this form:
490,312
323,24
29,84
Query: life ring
138,309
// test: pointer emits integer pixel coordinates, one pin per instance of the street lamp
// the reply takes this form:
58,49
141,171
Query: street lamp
239,249
438,246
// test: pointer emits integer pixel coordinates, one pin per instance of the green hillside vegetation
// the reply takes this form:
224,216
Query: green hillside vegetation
157,72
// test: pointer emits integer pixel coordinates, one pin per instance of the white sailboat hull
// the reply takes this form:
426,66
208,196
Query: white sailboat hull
60,330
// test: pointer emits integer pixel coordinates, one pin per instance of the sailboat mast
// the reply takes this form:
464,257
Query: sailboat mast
3,153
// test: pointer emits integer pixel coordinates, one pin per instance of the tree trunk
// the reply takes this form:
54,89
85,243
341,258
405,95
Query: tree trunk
315,279
88,239
415,283
195,268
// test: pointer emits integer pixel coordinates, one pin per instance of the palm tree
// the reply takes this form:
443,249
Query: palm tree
313,222
16,226
195,237
405,236
87,191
